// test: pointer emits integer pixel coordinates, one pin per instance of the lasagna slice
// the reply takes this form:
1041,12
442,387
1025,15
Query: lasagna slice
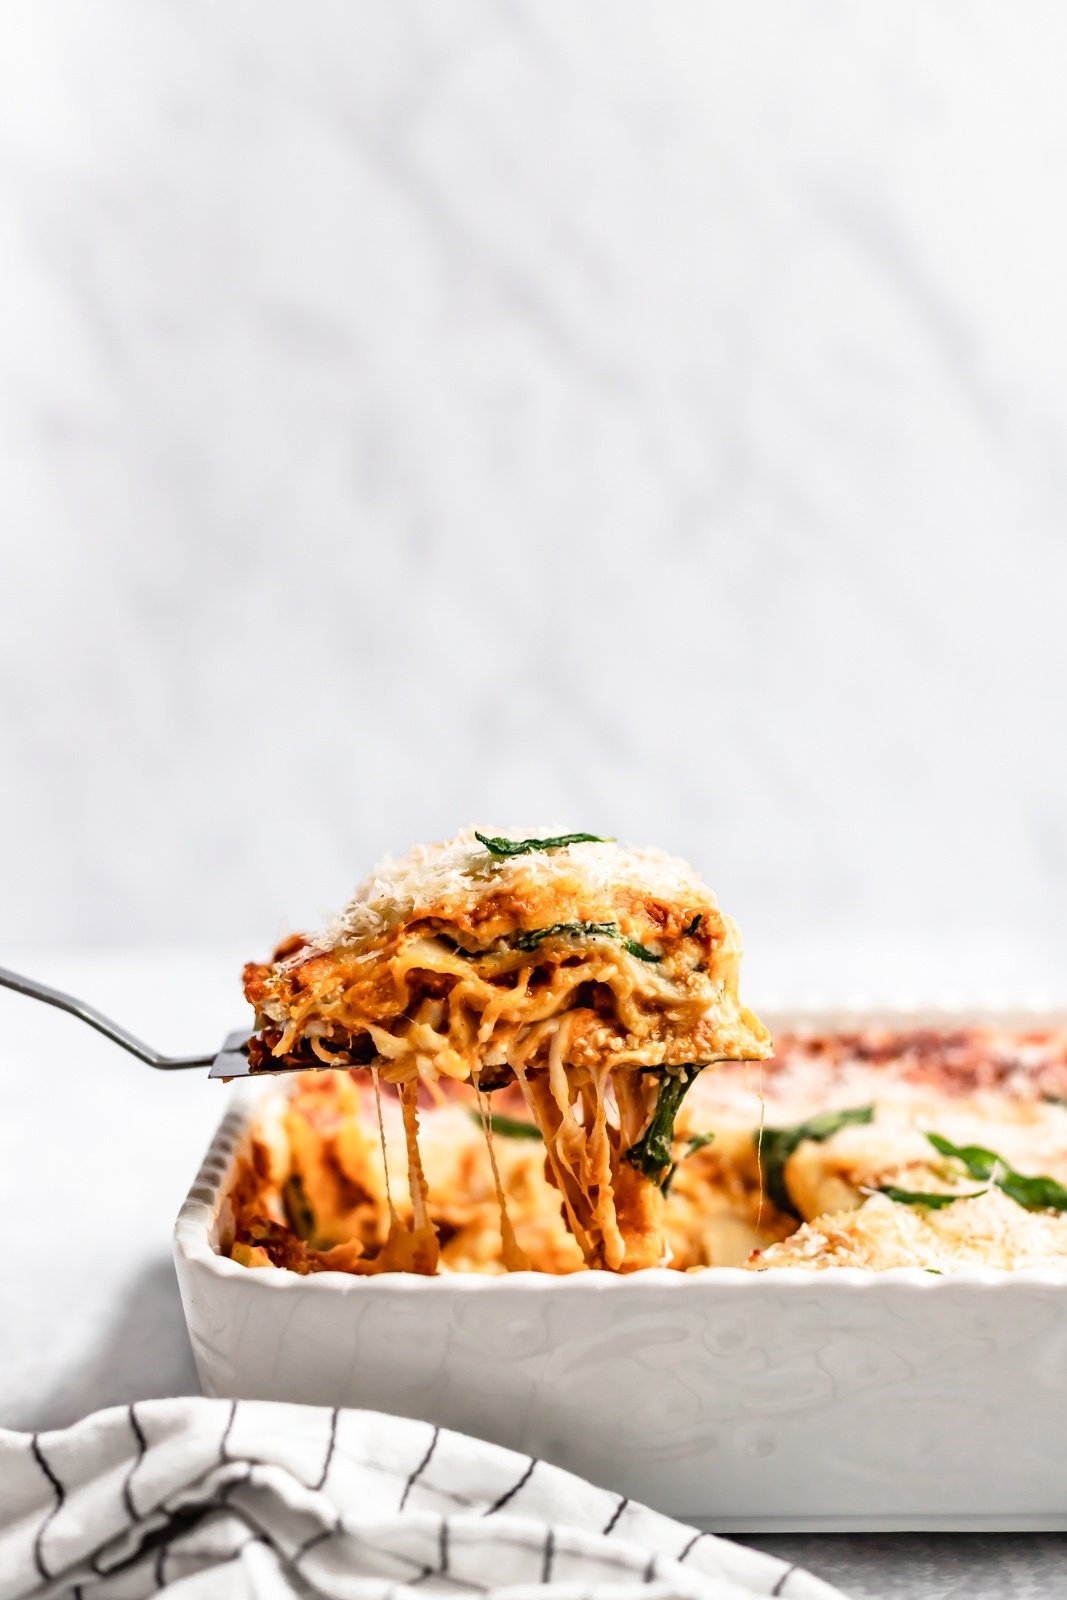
598,978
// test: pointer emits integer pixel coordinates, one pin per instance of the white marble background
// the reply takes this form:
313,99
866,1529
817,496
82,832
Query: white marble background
646,417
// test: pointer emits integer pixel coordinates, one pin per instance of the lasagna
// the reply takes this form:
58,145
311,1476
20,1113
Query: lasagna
592,981
932,1149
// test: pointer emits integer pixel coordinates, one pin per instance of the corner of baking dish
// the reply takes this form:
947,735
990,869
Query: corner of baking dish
199,1213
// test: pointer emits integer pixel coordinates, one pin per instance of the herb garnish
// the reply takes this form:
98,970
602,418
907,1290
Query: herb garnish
506,1127
524,847
923,1197
1036,1194
697,1142
530,940
652,1152
578,930
297,1207
776,1145
694,925
640,951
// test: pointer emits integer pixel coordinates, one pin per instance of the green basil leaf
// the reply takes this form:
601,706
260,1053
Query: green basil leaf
694,925
524,847
652,1152
297,1207
980,1163
507,1127
776,1145
640,951
587,930
576,930
1036,1193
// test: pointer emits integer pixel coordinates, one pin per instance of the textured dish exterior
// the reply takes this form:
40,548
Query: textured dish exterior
739,1401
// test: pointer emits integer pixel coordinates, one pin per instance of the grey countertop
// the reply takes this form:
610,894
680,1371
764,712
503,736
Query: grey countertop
930,1566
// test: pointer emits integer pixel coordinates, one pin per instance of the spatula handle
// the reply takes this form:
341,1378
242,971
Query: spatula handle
102,1024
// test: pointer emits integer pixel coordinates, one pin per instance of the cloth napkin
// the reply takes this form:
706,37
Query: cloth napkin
213,1499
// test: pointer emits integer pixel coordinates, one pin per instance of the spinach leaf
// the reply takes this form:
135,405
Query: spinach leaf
776,1145
694,925
652,1152
1034,1193
639,951
524,847
578,930
923,1197
979,1163
507,1127
697,1142
297,1207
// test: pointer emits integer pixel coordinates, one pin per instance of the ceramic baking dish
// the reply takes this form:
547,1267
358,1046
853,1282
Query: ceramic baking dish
780,1400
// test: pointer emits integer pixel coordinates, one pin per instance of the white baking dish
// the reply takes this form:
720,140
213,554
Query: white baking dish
739,1401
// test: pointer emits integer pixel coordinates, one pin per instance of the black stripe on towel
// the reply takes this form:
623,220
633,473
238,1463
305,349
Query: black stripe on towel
694,1541
617,1513
329,1451
224,1454
60,1494
414,1477
142,1445
509,1494
547,1558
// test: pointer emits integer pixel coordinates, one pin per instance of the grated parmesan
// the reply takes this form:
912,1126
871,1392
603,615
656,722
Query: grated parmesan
460,873
988,1231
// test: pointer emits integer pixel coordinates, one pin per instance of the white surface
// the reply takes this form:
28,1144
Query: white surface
414,414
96,1152
783,1399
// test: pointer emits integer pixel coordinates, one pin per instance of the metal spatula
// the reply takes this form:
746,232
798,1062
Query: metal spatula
229,1062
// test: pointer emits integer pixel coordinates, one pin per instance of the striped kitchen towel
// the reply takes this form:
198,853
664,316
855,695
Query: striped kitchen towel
220,1498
